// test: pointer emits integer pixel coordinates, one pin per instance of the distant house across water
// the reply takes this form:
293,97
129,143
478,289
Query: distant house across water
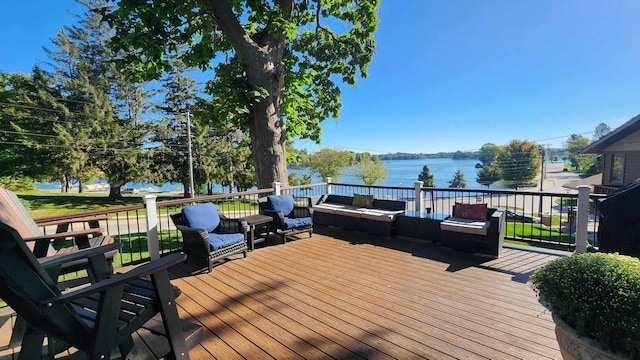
620,151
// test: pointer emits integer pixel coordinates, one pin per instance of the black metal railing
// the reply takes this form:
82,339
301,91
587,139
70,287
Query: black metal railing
535,218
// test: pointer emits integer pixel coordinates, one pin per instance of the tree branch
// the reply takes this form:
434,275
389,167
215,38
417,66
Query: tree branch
320,27
287,7
228,22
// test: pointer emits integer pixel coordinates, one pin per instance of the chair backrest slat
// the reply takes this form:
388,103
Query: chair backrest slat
26,287
14,214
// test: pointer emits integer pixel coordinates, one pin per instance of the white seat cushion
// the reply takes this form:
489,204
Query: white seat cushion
326,208
380,215
467,226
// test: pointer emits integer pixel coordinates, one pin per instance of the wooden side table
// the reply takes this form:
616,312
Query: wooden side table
255,222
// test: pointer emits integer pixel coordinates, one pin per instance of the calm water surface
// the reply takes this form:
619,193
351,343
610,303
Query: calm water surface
405,172
400,173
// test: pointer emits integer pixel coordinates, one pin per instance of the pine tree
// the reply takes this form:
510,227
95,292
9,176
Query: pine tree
458,180
487,175
102,125
426,177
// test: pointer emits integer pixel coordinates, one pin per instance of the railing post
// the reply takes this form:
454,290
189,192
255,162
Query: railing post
152,226
276,188
419,202
328,181
582,219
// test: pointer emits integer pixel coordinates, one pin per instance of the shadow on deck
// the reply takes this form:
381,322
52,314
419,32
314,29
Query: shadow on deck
347,295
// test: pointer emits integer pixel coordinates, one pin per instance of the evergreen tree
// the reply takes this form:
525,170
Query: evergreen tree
102,126
487,175
426,177
170,159
458,180
24,132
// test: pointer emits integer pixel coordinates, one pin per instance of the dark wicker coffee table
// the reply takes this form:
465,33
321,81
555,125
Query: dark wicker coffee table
258,228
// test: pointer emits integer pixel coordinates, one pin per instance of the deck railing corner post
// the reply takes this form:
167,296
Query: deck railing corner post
276,187
328,181
582,219
151,213
419,201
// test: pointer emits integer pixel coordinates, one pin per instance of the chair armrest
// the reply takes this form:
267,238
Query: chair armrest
63,235
228,225
58,260
496,224
302,211
278,217
73,220
119,279
43,242
194,239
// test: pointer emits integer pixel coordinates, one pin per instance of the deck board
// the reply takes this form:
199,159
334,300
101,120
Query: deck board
347,295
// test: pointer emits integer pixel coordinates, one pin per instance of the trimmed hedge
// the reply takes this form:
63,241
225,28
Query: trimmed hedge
598,295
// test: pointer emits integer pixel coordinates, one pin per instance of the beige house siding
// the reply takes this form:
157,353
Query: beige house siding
629,143
631,166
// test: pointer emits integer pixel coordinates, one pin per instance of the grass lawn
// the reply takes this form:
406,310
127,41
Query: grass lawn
46,203
543,233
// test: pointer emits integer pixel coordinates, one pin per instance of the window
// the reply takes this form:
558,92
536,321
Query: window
617,168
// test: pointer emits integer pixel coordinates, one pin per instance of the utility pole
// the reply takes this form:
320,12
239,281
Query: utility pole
541,180
541,167
190,158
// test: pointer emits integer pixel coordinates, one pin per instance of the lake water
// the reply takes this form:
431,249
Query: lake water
400,173
405,173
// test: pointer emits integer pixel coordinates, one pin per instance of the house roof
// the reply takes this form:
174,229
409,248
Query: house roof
590,181
615,136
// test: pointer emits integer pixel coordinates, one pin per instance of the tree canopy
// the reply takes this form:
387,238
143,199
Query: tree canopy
488,153
330,163
370,169
518,162
574,146
275,62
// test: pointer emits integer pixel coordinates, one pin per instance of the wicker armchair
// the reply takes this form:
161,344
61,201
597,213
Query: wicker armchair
288,219
208,236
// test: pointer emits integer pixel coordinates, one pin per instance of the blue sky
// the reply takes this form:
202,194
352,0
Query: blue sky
450,75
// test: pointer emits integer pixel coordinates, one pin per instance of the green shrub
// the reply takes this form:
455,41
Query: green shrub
16,184
598,295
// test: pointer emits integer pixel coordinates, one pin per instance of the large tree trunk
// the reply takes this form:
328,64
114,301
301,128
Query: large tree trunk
267,126
114,191
262,59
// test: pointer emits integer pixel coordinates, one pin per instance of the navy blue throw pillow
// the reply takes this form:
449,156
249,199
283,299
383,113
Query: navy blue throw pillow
202,216
282,203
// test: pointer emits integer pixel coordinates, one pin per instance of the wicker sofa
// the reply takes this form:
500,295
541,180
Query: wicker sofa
476,235
342,212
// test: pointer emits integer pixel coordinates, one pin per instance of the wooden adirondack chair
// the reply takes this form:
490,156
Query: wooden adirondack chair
13,213
96,319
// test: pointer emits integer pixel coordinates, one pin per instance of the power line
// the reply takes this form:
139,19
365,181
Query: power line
90,149
30,134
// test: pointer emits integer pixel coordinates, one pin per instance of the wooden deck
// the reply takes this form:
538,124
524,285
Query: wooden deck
347,295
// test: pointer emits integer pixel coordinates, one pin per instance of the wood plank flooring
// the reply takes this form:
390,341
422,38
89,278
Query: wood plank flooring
346,295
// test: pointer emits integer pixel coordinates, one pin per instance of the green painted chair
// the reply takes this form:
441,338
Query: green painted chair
97,319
